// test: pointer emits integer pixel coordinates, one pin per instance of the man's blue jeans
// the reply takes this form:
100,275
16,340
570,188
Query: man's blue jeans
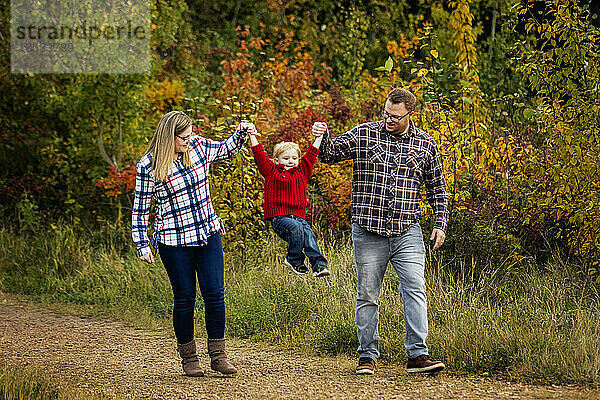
183,264
372,253
299,236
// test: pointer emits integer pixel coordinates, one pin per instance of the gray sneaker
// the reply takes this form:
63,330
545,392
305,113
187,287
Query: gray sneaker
320,270
298,270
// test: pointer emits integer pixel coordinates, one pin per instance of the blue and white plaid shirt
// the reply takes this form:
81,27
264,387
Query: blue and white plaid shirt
184,212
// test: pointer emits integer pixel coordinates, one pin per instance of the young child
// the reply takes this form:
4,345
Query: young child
285,201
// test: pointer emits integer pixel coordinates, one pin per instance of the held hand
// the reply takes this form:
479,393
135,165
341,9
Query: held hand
439,237
251,130
149,258
249,127
319,128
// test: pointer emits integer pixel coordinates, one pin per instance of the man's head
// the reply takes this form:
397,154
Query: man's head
399,107
287,154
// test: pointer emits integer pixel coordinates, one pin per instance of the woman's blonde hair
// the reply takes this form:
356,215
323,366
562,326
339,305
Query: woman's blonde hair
162,145
284,146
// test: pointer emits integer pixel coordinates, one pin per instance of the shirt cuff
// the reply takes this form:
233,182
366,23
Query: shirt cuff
257,148
441,224
142,251
242,135
312,150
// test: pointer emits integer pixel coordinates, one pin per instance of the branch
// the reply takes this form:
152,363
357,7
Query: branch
493,33
120,152
105,156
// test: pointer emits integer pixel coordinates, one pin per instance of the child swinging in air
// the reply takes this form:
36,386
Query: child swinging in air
285,201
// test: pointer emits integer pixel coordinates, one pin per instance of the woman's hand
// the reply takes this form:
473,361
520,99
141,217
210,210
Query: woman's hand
319,128
249,127
149,258
251,130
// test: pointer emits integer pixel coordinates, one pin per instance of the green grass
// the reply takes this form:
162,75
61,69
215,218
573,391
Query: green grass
528,323
22,384
59,266
537,326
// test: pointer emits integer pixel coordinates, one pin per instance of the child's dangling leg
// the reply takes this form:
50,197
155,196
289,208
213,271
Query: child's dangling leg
318,262
290,229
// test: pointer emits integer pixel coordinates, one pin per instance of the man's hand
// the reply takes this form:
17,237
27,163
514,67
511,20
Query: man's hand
319,128
439,236
149,258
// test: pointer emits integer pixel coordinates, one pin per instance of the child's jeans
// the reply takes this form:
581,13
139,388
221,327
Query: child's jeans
299,236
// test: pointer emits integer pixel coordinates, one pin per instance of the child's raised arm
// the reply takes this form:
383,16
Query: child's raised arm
308,160
252,132
265,166
318,130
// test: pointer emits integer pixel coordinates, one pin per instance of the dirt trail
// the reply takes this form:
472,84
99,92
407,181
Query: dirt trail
97,355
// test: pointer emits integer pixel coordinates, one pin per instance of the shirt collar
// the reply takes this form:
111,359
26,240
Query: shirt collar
410,130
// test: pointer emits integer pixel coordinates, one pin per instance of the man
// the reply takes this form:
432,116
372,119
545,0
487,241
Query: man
392,158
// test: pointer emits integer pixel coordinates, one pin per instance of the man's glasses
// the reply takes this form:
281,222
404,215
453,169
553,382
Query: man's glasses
393,118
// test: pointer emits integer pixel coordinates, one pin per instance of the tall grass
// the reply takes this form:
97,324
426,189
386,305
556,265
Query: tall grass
542,326
59,266
268,302
530,323
23,384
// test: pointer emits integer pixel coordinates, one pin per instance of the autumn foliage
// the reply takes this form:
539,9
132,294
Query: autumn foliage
519,144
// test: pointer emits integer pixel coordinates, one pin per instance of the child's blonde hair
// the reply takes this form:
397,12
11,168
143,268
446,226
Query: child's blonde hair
284,146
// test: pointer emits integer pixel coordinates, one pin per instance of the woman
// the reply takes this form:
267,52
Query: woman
174,172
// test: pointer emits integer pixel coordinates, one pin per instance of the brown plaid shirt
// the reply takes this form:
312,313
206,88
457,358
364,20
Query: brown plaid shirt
388,174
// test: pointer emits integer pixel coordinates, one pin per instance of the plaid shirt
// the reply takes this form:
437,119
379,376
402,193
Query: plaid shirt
388,175
184,212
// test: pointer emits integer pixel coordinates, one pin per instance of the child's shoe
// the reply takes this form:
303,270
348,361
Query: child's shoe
299,270
320,270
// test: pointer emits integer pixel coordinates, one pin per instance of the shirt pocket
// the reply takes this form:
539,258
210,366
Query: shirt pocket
376,154
415,162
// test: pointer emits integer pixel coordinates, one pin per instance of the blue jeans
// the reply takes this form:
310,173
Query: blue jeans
372,253
299,236
183,264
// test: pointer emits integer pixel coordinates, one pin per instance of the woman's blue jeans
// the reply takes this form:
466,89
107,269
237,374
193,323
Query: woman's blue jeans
183,264
299,236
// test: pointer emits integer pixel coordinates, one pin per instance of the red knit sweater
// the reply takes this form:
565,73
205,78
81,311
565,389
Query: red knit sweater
285,191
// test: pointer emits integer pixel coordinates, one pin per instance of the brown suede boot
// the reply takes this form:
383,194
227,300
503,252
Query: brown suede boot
218,358
189,359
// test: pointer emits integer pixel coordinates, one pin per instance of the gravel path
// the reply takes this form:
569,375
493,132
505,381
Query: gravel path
97,355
